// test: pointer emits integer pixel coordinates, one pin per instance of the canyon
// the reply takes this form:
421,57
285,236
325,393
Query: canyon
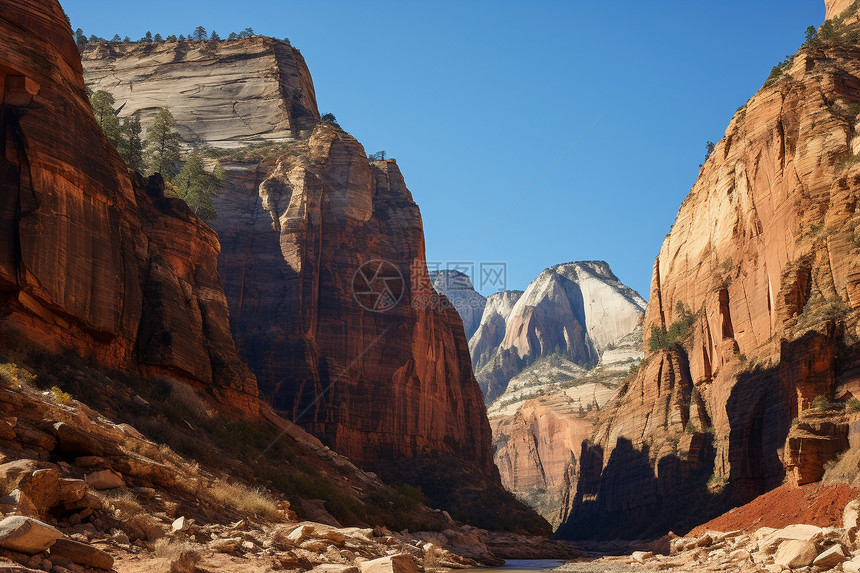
289,387
305,224
548,359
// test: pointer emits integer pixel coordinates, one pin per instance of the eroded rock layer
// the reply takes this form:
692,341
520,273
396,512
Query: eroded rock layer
757,287
94,259
221,93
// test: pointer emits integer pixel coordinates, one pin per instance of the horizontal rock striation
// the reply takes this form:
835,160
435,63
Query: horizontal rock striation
759,279
221,93
94,259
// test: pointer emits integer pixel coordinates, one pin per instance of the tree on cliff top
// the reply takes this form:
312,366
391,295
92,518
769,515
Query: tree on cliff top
163,144
199,188
199,33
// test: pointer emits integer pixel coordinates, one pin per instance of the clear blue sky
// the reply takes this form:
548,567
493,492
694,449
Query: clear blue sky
476,99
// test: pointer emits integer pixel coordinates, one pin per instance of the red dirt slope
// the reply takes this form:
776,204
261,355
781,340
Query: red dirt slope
816,504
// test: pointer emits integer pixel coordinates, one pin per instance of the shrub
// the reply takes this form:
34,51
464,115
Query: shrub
330,119
853,404
663,338
821,403
60,396
16,375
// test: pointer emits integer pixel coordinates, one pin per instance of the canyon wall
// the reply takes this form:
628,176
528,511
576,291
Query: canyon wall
753,314
94,259
330,299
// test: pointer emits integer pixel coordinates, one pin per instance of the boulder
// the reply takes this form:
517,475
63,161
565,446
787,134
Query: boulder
831,557
11,473
27,535
105,479
641,556
797,532
82,554
301,533
180,524
796,553
852,566
75,442
72,490
401,563
850,514
40,491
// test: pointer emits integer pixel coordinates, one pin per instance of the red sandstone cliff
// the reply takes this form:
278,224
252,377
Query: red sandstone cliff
764,253
92,258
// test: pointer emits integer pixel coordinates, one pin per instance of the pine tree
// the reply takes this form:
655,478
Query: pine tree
199,188
131,145
163,144
126,40
103,108
147,37
199,33
80,37
233,36
116,38
158,38
172,38
214,37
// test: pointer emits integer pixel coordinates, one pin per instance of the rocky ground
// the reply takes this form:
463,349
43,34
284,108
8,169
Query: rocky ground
81,491
796,547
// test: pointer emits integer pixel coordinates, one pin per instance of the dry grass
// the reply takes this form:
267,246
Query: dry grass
845,468
244,499
120,500
178,556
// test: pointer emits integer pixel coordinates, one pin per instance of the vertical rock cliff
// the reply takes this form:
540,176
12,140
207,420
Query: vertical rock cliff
330,299
93,259
753,312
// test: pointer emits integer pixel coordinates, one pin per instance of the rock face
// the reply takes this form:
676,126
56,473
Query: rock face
330,300
221,93
575,310
94,259
490,331
368,382
763,253
457,288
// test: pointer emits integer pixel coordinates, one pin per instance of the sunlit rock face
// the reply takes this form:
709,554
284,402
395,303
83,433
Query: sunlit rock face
94,259
574,310
762,265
